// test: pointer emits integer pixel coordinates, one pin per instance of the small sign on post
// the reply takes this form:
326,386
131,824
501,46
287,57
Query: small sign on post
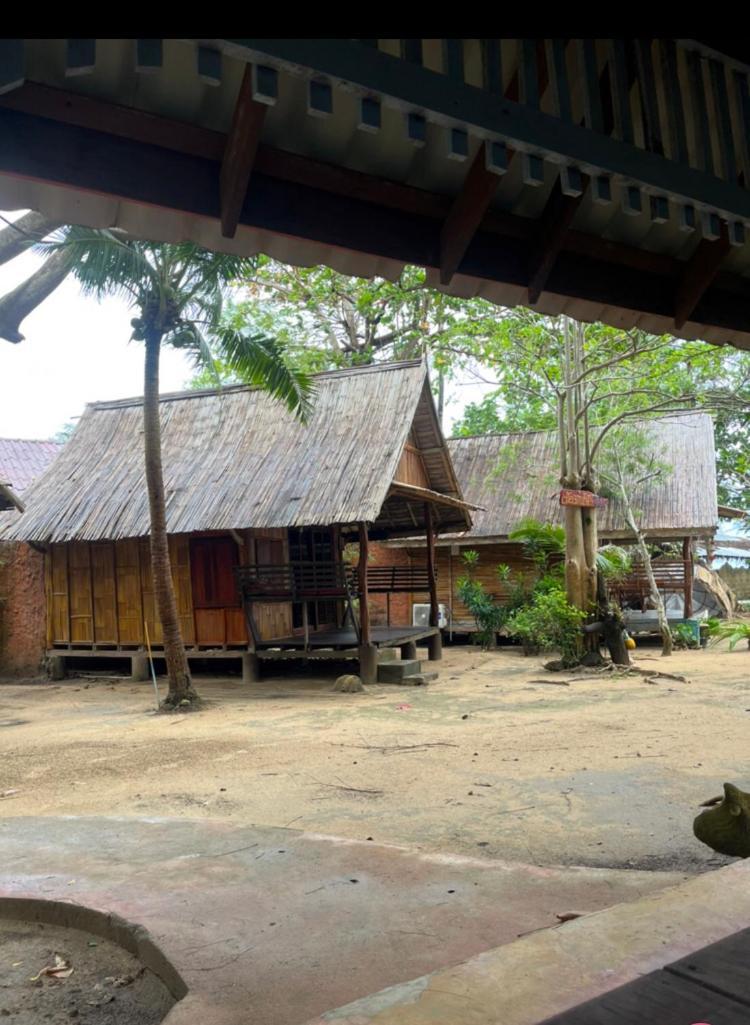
582,499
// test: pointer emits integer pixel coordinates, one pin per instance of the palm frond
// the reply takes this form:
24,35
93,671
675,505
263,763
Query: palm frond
105,262
259,360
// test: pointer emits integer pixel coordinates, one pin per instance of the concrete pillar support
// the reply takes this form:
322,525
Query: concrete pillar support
250,667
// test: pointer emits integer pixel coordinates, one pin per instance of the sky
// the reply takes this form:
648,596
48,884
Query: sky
76,350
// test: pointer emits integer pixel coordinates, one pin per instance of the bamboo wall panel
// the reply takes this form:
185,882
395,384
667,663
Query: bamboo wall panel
80,593
179,554
58,622
147,595
275,618
104,592
128,591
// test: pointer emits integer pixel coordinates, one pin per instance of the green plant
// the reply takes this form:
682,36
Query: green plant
549,622
488,614
733,631
542,542
683,636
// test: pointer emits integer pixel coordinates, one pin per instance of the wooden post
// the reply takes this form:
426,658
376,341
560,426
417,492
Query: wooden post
368,662
687,559
435,642
364,611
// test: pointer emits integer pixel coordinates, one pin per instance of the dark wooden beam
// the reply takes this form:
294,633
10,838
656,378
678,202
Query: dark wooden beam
239,154
333,206
364,610
698,273
466,214
687,558
551,230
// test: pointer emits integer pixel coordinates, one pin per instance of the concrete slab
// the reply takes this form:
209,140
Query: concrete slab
274,926
526,982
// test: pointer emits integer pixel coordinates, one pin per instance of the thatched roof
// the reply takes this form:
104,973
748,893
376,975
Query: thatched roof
233,458
515,476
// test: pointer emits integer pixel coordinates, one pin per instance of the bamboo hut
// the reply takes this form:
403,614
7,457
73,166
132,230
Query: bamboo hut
259,510
513,477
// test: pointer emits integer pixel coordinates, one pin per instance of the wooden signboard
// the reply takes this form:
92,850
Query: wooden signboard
582,499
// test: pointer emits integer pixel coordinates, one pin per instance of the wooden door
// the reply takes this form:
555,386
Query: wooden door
216,601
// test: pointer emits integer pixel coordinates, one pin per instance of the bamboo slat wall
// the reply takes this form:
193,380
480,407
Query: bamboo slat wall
100,593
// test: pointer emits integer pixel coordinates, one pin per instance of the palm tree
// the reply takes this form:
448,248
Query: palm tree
177,293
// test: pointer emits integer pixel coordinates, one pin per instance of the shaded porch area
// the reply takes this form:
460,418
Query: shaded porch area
337,643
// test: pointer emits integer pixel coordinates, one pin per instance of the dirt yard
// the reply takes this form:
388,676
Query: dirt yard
486,761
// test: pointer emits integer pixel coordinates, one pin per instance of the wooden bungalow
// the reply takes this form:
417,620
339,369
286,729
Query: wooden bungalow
260,509
513,477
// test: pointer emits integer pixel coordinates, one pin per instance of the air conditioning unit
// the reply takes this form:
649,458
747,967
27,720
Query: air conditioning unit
420,615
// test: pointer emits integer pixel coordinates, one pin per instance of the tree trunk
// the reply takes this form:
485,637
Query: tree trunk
178,671
18,236
23,300
575,557
612,626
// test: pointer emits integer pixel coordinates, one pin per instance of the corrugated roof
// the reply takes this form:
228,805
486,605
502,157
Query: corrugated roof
515,476
22,460
235,458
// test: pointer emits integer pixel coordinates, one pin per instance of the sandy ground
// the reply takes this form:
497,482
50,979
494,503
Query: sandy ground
485,761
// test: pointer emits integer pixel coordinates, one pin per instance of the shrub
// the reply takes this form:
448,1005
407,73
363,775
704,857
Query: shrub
549,622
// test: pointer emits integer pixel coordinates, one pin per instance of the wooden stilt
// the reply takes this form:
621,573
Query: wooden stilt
687,559
364,610
434,643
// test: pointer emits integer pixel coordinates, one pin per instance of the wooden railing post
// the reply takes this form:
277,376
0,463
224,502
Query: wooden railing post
435,642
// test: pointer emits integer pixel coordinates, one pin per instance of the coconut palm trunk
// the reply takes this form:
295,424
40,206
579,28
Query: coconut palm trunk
178,671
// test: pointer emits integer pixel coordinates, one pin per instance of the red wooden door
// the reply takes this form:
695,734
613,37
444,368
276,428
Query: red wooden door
218,615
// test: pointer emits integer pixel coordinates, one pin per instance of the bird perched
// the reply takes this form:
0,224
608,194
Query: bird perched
725,825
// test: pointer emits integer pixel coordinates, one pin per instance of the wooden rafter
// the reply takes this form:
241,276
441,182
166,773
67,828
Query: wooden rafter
466,214
239,154
699,272
478,189
551,230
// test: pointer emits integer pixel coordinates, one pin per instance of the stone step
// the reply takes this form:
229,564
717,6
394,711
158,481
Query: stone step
418,679
395,671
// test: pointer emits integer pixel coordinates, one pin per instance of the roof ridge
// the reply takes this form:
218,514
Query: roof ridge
197,393
34,441
552,430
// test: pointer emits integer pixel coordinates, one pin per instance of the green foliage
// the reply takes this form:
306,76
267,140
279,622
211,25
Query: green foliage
64,433
550,622
178,292
614,562
684,637
488,615
734,631
541,542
